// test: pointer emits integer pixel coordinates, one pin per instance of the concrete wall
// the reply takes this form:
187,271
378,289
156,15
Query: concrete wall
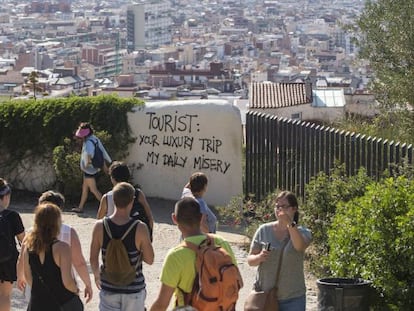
177,138
307,112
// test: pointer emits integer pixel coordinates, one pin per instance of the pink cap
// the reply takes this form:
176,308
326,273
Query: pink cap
81,133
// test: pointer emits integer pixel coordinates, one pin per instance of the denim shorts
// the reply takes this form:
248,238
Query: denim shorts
126,302
293,304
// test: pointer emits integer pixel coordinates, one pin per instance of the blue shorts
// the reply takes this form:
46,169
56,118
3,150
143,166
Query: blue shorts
86,175
126,302
293,304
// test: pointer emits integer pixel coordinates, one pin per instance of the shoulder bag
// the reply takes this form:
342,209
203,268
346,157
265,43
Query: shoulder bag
265,300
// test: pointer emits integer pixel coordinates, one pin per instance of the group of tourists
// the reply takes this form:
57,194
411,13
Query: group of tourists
51,255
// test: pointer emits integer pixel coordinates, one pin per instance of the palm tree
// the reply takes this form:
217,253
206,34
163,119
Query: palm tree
33,80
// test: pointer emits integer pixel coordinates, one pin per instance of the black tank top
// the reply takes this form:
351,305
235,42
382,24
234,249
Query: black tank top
47,294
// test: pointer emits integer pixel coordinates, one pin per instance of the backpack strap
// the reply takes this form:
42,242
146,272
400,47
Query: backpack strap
108,230
130,228
209,240
106,225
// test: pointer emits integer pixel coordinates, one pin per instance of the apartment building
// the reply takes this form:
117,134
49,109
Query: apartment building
149,24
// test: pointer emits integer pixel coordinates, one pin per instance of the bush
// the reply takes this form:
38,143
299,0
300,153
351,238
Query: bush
248,214
47,126
323,193
372,237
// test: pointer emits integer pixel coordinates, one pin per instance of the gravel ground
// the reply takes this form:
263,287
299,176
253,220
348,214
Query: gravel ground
166,235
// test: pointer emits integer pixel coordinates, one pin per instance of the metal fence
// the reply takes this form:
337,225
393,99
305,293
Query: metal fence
285,154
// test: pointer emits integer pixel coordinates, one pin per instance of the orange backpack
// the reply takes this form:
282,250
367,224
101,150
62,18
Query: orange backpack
218,281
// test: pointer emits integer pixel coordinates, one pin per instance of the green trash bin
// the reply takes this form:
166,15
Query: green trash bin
343,294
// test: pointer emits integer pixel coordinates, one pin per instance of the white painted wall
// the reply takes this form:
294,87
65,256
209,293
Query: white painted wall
177,138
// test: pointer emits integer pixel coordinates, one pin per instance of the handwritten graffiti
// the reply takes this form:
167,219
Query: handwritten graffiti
210,144
174,141
198,162
185,142
148,140
211,164
171,123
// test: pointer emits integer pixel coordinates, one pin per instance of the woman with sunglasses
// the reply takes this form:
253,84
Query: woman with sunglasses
282,241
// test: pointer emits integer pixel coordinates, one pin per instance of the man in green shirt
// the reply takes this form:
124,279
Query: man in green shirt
178,272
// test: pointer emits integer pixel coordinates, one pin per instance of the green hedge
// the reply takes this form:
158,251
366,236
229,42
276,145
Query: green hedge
36,128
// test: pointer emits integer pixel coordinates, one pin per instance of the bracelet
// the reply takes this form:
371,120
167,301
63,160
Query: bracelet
292,224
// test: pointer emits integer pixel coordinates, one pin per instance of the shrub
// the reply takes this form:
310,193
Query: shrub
323,193
372,237
247,213
47,126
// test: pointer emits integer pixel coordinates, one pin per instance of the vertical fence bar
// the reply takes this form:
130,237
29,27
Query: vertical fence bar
321,150
369,156
332,149
337,146
347,155
273,153
249,157
358,152
298,152
328,150
303,139
392,166
317,150
256,176
379,158
375,158
352,161
283,153
308,133
363,152
289,154
260,163
385,156
312,151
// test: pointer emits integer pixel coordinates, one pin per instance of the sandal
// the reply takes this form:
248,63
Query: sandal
76,210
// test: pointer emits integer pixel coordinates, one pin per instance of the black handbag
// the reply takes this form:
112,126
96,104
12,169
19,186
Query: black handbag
75,304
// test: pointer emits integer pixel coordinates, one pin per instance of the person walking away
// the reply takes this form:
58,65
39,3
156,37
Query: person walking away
69,236
119,172
118,290
89,148
47,264
178,273
285,235
197,187
11,226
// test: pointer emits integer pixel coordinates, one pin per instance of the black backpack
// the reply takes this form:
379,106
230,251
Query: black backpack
98,158
6,241
138,211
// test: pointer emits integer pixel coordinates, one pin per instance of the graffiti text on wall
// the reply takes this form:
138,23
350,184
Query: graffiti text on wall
181,134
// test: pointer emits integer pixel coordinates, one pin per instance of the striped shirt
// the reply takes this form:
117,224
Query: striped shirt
134,255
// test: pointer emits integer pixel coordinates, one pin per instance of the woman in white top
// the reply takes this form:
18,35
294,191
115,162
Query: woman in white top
70,237
119,172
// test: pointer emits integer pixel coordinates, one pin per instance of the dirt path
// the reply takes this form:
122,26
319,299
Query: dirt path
166,235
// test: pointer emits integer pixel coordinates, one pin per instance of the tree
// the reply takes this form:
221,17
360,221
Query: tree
33,76
387,41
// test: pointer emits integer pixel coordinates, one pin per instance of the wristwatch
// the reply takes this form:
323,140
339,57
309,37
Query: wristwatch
292,224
